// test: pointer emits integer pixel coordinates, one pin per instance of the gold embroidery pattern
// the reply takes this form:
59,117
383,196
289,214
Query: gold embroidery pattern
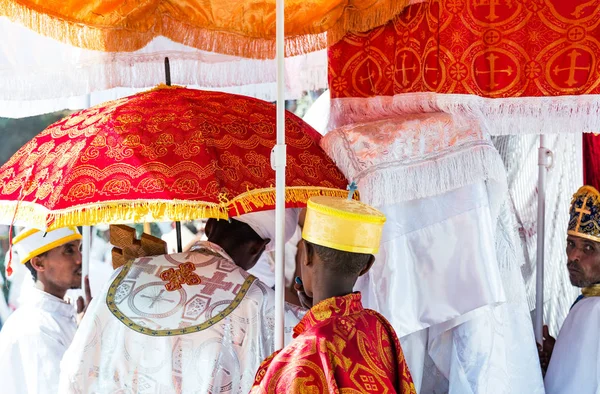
339,348
491,48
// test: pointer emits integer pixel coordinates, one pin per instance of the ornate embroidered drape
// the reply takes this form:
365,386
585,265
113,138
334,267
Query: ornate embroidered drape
457,55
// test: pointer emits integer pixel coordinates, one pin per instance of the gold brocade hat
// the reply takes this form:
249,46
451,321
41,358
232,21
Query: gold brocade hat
584,218
342,224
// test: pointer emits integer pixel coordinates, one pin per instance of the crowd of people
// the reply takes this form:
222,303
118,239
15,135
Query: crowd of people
202,321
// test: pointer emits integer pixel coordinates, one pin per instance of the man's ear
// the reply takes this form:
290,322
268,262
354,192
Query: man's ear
369,265
259,247
307,252
38,263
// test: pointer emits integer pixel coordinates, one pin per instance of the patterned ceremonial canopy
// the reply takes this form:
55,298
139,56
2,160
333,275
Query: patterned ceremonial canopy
237,27
167,154
457,55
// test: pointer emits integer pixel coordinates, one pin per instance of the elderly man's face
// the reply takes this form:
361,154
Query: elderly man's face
583,261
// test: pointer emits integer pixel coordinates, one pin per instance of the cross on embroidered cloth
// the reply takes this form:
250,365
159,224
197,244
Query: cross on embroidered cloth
581,211
215,283
157,298
183,274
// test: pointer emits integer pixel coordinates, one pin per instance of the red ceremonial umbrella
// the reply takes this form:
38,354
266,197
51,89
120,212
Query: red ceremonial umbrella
167,154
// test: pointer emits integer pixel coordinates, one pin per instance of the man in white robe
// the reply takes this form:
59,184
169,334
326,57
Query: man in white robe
193,322
35,337
575,357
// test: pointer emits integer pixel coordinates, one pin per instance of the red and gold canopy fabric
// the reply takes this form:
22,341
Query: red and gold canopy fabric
522,66
167,154
236,27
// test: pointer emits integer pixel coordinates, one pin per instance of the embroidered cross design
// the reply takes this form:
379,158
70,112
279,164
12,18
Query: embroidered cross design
183,274
581,211
157,298
215,283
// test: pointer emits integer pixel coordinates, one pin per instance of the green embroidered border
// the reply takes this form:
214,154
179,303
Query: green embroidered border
110,301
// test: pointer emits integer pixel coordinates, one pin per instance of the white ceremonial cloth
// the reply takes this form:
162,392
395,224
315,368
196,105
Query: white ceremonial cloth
32,344
131,337
446,246
575,364
265,266
40,75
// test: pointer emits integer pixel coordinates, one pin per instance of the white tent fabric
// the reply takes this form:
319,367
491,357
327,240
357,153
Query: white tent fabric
520,156
35,71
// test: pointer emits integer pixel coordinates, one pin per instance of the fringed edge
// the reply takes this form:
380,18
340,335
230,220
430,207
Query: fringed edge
138,211
503,116
356,19
252,77
400,181
309,38
263,199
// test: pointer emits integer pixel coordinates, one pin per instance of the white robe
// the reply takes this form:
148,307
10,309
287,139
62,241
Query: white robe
131,338
575,364
32,344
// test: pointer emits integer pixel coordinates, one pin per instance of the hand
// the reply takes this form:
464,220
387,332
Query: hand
545,350
81,303
305,300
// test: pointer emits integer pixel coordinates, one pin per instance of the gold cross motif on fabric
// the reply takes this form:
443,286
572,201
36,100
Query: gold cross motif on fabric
491,58
571,81
404,69
581,211
492,4
183,274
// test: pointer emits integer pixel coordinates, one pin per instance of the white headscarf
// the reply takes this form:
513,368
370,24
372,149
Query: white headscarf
263,223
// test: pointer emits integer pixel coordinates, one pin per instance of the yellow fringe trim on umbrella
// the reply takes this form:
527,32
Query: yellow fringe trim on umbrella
139,211
302,36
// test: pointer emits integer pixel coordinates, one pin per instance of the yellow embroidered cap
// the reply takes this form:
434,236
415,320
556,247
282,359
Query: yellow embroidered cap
342,224
584,215
33,242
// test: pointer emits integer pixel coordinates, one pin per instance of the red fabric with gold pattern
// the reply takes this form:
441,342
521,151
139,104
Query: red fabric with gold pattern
339,347
591,160
167,154
490,48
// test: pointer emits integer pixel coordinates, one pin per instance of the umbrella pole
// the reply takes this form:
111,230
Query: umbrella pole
177,224
278,162
178,232
86,236
544,162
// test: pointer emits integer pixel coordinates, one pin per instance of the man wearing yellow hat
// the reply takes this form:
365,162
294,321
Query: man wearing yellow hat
338,345
574,365
37,334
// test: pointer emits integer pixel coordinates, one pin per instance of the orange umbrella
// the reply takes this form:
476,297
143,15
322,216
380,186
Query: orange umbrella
168,154
237,27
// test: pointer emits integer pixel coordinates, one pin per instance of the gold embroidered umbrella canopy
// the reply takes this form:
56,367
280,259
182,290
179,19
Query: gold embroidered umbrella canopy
236,27
167,154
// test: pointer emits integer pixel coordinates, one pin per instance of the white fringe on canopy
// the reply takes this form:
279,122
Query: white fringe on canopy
414,156
36,70
503,116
